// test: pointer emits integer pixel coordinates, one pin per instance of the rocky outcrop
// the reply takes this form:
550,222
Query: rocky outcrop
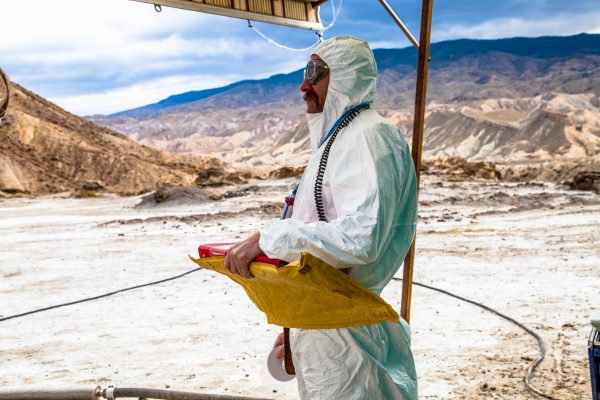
586,180
457,169
174,196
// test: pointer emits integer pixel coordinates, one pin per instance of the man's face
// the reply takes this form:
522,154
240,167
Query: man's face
315,94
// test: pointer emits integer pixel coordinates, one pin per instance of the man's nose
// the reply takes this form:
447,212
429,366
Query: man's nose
305,86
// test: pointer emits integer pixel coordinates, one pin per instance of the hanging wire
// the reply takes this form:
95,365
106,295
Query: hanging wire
282,46
97,297
335,12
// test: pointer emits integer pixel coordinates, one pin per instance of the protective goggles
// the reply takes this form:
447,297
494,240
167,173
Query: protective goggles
315,71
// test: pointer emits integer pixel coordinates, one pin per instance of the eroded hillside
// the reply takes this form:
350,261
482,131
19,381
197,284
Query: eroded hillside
509,100
44,149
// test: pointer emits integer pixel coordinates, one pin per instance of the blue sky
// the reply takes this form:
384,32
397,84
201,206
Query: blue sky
103,56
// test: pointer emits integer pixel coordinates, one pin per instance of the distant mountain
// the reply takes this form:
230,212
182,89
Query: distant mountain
275,85
485,97
544,127
44,149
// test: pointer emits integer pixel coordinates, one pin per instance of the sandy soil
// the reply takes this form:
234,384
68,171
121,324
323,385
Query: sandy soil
531,251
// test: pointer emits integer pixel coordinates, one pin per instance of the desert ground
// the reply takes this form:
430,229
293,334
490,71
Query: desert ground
531,251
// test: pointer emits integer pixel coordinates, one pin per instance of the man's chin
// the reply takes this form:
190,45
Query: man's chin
312,108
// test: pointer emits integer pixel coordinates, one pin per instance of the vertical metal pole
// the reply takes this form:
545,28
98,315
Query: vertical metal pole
417,142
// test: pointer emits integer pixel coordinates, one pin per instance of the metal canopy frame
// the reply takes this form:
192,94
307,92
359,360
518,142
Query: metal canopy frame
274,12
295,13
418,126
417,142
400,24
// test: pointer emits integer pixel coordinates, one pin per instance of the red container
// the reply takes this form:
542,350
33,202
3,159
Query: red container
220,249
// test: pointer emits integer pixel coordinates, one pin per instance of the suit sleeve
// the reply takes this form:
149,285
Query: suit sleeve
355,236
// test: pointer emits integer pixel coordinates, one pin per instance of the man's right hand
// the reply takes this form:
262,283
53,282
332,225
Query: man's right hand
279,347
241,254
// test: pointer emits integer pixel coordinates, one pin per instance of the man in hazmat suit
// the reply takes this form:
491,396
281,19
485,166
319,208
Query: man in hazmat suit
362,220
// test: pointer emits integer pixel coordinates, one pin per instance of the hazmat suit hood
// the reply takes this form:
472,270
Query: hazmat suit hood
353,80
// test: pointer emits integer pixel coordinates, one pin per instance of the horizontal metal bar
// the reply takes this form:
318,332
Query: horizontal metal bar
51,394
234,13
115,393
141,393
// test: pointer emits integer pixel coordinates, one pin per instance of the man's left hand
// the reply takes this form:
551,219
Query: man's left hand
240,255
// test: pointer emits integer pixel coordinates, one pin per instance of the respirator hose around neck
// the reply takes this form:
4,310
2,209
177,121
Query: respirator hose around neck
343,122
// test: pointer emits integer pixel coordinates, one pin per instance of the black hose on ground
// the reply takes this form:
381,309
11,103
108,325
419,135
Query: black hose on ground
530,370
51,395
97,297
141,393
538,338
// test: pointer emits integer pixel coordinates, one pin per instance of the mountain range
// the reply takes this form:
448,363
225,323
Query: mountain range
518,99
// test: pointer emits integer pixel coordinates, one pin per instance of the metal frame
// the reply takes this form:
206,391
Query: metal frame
418,124
417,143
417,146
241,14
399,23
420,96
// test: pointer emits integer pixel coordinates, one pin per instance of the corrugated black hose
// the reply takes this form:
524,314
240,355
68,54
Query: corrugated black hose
325,156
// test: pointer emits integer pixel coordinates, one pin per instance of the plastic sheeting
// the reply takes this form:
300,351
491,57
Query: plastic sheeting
308,293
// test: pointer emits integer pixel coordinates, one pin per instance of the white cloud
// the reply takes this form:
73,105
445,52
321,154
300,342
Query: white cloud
150,91
64,32
389,44
102,56
138,94
72,22
108,55
559,25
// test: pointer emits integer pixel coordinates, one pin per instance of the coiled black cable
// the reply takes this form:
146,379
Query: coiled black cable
325,156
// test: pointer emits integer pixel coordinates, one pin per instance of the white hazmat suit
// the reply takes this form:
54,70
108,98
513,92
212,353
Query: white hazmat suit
369,192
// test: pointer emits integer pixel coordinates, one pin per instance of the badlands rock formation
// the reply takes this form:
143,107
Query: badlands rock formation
552,126
508,100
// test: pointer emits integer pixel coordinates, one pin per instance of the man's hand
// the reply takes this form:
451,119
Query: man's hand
239,256
279,347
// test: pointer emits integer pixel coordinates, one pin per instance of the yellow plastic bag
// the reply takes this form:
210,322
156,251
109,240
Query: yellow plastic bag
308,293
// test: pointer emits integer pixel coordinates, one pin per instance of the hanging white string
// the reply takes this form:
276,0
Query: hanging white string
335,12
282,46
